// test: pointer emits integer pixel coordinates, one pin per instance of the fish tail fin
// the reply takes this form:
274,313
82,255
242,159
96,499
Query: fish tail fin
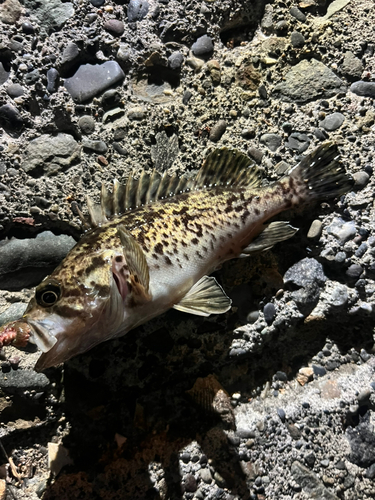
321,175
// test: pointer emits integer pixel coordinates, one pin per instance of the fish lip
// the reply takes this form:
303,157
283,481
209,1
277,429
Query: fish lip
41,336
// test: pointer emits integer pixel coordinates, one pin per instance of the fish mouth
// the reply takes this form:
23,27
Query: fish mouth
41,336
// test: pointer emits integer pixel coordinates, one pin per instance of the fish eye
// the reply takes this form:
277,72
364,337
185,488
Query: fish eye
48,294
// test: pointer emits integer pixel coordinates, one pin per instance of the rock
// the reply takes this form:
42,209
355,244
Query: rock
97,146
71,52
10,117
272,141
186,97
175,60
165,151
267,19
190,483
114,26
297,39
297,14
4,75
10,11
87,124
310,483
15,90
203,47
58,457
362,444
309,80
354,271
205,474
19,380
248,77
28,28
91,79
298,142
305,375
315,230
332,121
113,114
218,130
51,14
352,66
366,89
53,78
269,312
97,3
50,154
343,231
32,77
338,296
137,113
14,311
111,99
137,10
26,262
360,179
123,53
256,154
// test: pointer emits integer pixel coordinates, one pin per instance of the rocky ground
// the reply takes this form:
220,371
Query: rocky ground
275,399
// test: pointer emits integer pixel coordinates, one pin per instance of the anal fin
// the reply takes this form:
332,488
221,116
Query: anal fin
204,298
272,234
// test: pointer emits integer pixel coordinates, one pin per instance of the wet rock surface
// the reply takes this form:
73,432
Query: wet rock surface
274,399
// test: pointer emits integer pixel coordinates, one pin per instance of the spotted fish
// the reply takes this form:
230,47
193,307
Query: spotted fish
152,243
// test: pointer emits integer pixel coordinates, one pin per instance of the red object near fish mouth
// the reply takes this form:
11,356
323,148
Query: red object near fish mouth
16,333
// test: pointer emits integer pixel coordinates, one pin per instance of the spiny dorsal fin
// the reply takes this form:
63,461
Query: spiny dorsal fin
222,167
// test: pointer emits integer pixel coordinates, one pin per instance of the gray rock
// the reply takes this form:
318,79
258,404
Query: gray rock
338,296
25,262
203,47
92,79
10,117
333,121
360,179
298,142
256,154
267,20
310,483
272,141
309,80
352,66
15,90
366,89
4,75
297,39
50,14
53,78
87,124
97,3
362,444
137,113
97,146
32,77
71,52
343,231
175,60
354,271
315,229
218,130
269,312
206,475
123,53
137,10
111,99
50,154
297,14
319,370
14,311
10,11
20,380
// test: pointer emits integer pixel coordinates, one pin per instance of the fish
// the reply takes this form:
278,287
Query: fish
151,244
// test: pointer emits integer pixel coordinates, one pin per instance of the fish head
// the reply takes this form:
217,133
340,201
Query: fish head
78,306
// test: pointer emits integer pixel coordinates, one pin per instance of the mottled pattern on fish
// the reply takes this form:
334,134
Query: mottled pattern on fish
129,268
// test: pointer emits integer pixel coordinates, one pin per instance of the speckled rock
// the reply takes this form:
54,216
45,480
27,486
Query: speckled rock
332,121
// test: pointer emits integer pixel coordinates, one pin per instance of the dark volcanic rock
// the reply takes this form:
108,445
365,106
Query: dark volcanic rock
203,47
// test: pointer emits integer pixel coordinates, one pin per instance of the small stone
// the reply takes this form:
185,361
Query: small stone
298,142
10,11
320,134
137,10
361,250
205,474
319,370
352,66
114,26
70,53
97,3
190,483
366,89
281,414
370,472
15,90
315,230
269,312
110,99
203,47
91,79
28,28
333,121
297,39
256,154
87,124
297,14
365,356
360,179
305,375
175,60
136,113
20,380
10,117
186,97
343,231
217,130
185,457
97,146
53,78
354,271
272,141
123,53
4,75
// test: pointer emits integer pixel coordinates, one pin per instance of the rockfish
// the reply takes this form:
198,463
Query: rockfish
151,244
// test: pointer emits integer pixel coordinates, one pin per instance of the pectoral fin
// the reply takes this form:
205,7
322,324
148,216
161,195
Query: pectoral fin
272,234
204,298
139,278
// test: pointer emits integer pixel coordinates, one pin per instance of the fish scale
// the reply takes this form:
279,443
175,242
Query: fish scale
152,243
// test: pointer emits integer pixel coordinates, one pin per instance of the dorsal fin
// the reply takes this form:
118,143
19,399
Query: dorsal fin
222,167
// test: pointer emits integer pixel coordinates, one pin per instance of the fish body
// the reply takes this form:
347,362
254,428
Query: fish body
158,254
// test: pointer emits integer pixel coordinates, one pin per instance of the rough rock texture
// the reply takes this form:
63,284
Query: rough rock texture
273,400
